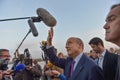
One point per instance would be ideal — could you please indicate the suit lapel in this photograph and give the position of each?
(67, 68)
(79, 67)
(105, 60)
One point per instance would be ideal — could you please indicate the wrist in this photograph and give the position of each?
(58, 74)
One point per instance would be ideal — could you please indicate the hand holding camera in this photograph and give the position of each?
(28, 67)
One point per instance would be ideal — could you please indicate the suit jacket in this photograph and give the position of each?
(110, 65)
(117, 77)
(86, 69)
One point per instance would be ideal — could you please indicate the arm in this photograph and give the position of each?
(62, 77)
(50, 37)
(51, 53)
(60, 62)
(56, 73)
(1, 75)
(33, 70)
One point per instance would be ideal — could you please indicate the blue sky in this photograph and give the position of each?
(80, 18)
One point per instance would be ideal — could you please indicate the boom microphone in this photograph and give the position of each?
(47, 18)
(32, 28)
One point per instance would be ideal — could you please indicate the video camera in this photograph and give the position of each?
(3, 64)
(43, 47)
(27, 58)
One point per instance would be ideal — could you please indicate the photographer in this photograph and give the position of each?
(24, 69)
(4, 59)
(38, 67)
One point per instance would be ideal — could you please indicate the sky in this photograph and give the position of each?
(78, 18)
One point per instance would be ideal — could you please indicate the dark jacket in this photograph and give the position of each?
(39, 69)
(26, 75)
(110, 65)
(118, 70)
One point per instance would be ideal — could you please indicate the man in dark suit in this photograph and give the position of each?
(107, 61)
(83, 69)
(112, 30)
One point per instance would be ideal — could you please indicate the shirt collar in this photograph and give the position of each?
(103, 54)
(78, 57)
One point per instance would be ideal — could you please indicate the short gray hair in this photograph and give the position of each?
(78, 40)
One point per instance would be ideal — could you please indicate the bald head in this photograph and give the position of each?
(78, 40)
(74, 46)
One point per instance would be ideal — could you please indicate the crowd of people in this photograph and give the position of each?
(30, 70)
(102, 64)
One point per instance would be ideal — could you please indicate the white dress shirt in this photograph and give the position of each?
(101, 59)
(77, 59)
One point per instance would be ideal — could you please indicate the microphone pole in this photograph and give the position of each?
(23, 40)
(14, 19)
(16, 62)
(35, 19)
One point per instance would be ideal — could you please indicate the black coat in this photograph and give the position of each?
(110, 65)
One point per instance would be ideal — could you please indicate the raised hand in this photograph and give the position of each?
(50, 37)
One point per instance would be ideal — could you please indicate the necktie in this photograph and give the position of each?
(72, 68)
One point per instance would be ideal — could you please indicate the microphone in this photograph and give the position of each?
(19, 67)
(32, 28)
(47, 18)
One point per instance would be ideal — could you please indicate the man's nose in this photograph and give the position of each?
(66, 46)
(8, 58)
(106, 26)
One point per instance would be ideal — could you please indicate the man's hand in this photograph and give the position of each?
(55, 72)
(28, 67)
(7, 73)
(50, 37)
(1, 75)
(48, 73)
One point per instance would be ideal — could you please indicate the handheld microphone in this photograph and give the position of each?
(32, 28)
(19, 67)
(47, 18)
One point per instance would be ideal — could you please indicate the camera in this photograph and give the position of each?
(43, 48)
(27, 58)
(43, 45)
(3, 64)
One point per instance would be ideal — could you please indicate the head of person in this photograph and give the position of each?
(4, 53)
(112, 50)
(4, 59)
(60, 55)
(112, 25)
(74, 46)
(35, 61)
(93, 54)
(97, 44)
